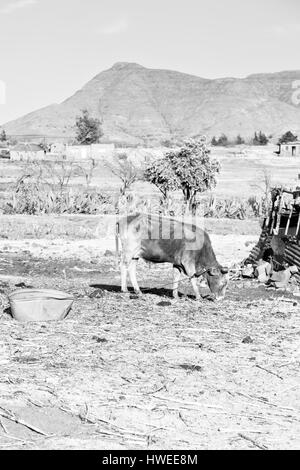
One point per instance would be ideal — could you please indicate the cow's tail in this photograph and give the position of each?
(117, 238)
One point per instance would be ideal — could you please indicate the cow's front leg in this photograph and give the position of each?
(195, 287)
(123, 268)
(132, 275)
(176, 279)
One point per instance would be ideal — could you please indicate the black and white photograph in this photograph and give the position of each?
(149, 228)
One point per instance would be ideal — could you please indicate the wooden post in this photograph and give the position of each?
(298, 225)
(289, 219)
(273, 214)
(276, 230)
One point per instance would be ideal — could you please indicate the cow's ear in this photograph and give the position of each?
(224, 270)
(213, 271)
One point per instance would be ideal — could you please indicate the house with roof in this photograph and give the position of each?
(289, 149)
(86, 152)
(27, 152)
(4, 150)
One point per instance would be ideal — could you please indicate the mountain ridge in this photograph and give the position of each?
(141, 105)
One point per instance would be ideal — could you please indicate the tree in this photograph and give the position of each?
(125, 170)
(222, 141)
(239, 140)
(3, 136)
(189, 169)
(287, 137)
(260, 139)
(88, 129)
(162, 176)
(87, 169)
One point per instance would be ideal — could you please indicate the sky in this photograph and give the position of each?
(50, 48)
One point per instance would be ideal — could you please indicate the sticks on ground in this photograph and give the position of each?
(255, 443)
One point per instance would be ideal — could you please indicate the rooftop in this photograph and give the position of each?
(291, 143)
(27, 147)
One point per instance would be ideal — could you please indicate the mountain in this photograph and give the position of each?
(141, 105)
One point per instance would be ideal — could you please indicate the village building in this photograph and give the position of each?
(289, 149)
(4, 150)
(27, 152)
(87, 152)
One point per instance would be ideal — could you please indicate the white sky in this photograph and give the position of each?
(50, 48)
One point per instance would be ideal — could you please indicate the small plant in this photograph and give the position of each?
(125, 169)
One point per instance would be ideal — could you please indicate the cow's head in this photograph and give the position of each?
(217, 278)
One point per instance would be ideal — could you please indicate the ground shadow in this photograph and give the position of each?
(161, 292)
(7, 311)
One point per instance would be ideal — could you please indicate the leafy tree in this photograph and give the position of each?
(162, 176)
(239, 140)
(255, 140)
(88, 129)
(3, 136)
(288, 137)
(189, 169)
(260, 139)
(223, 141)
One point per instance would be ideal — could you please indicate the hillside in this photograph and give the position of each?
(141, 105)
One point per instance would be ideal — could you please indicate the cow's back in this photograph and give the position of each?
(158, 238)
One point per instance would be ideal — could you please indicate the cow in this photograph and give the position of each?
(160, 239)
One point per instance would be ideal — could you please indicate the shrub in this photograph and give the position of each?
(30, 199)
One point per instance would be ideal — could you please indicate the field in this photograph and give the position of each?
(122, 372)
(240, 176)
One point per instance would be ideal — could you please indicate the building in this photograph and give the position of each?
(86, 152)
(289, 149)
(27, 152)
(4, 150)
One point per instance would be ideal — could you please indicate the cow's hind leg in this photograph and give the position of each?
(132, 275)
(123, 268)
(176, 279)
(195, 287)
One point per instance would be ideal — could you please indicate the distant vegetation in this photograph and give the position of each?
(259, 138)
(88, 129)
(3, 136)
(288, 137)
(184, 177)
(44, 188)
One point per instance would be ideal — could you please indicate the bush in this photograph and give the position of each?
(30, 199)
(260, 139)
(222, 141)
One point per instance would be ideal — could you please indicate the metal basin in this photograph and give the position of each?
(40, 305)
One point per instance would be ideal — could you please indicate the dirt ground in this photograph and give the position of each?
(145, 373)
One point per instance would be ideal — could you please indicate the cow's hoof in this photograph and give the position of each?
(135, 296)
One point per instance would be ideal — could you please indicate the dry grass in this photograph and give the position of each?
(130, 373)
